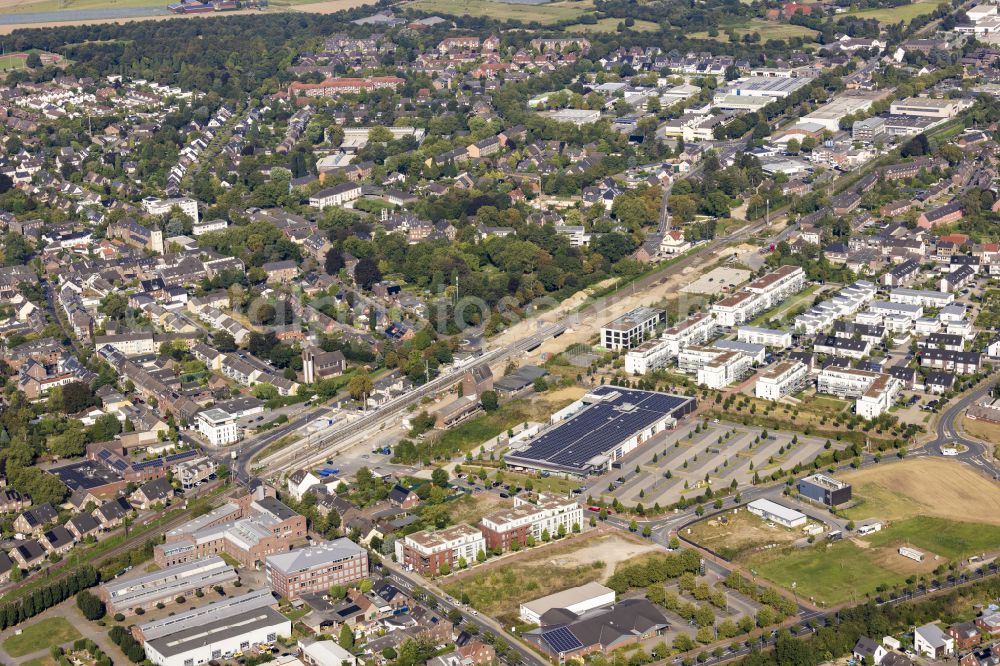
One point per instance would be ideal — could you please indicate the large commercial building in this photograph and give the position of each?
(601, 428)
(632, 328)
(182, 580)
(781, 379)
(525, 519)
(825, 489)
(577, 600)
(248, 529)
(217, 631)
(316, 568)
(768, 87)
(926, 106)
(428, 551)
(776, 513)
(845, 104)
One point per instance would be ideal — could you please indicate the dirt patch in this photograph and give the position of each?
(889, 558)
(471, 508)
(612, 550)
(925, 487)
(330, 6)
(570, 394)
(742, 533)
(861, 543)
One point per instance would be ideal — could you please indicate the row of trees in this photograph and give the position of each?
(43, 598)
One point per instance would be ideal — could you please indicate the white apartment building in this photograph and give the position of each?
(769, 337)
(526, 519)
(714, 367)
(885, 308)
(337, 195)
(218, 426)
(426, 551)
(781, 379)
(737, 309)
(157, 206)
(847, 302)
(762, 294)
(922, 297)
(879, 397)
(695, 330)
(130, 344)
(209, 226)
(650, 355)
(874, 392)
(631, 329)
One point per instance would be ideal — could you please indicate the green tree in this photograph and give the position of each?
(346, 640)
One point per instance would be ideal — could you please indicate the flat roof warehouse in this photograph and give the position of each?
(599, 429)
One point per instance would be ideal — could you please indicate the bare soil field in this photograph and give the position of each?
(741, 534)
(925, 487)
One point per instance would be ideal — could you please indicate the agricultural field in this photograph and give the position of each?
(923, 487)
(41, 636)
(498, 589)
(553, 12)
(766, 29)
(610, 25)
(39, 6)
(893, 15)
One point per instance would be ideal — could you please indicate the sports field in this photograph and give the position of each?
(565, 10)
(610, 25)
(11, 62)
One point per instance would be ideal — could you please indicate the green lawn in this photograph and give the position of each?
(41, 661)
(947, 538)
(828, 574)
(41, 636)
(892, 15)
(766, 29)
(611, 25)
(804, 297)
(548, 13)
(11, 62)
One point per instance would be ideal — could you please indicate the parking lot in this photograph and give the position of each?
(722, 452)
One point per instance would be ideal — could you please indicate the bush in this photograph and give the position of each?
(91, 607)
(119, 617)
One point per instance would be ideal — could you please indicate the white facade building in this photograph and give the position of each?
(776, 513)
(157, 206)
(631, 329)
(923, 297)
(218, 426)
(768, 337)
(781, 379)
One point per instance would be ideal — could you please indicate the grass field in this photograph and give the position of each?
(553, 12)
(923, 487)
(11, 62)
(498, 590)
(41, 636)
(21, 7)
(826, 573)
(984, 430)
(803, 298)
(948, 538)
(471, 508)
(766, 29)
(893, 15)
(610, 25)
(41, 661)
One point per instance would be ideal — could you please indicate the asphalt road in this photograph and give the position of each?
(947, 432)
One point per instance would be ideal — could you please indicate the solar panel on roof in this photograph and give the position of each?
(562, 640)
(120, 465)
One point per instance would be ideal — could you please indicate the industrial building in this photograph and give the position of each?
(926, 106)
(576, 600)
(601, 428)
(776, 513)
(825, 489)
(182, 580)
(217, 631)
(316, 568)
(846, 104)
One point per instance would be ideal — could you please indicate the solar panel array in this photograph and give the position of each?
(562, 640)
(601, 427)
